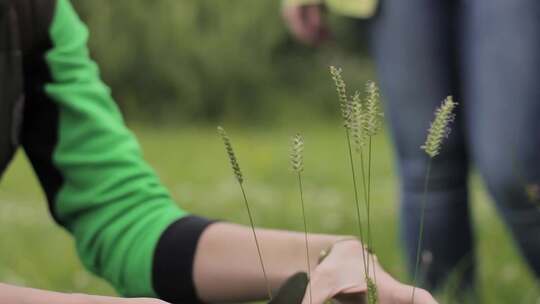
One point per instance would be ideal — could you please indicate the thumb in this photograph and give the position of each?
(323, 287)
(318, 289)
(421, 296)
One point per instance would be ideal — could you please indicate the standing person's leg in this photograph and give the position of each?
(413, 44)
(502, 70)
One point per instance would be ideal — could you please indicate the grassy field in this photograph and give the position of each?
(191, 162)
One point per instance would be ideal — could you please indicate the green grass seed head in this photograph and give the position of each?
(341, 88)
(230, 152)
(440, 127)
(372, 295)
(297, 157)
(358, 121)
(373, 122)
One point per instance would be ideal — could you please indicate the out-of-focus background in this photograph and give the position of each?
(179, 68)
(201, 61)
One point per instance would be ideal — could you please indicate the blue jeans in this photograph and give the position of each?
(487, 54)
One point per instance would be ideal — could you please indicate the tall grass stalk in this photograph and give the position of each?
(367, 124)
(297, 164)
(373, 127)
(347, 113)
(240, 179)
(438, 131)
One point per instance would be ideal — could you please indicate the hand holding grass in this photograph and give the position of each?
(340, 276)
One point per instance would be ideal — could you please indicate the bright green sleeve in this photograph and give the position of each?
(105, 194)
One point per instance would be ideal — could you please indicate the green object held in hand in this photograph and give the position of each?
(294, 289)
(292, 292)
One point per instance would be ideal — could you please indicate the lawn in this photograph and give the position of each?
(191, 162)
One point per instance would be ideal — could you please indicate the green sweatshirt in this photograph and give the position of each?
(351, 8)
(127, 228)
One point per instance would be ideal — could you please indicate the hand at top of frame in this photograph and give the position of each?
(306, 23)
(341, 276)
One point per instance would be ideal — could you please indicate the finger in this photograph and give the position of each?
(421, 296)
(351, 298)
(327, 286)
(319, 289)
(314, 296)
(353, 289)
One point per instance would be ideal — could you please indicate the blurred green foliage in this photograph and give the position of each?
(208, 60)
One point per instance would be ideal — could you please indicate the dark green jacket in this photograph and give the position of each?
(54, 105)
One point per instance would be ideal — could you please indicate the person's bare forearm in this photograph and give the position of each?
(227, 266)
(21, 295)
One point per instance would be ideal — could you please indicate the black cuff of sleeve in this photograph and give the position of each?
(173, 260)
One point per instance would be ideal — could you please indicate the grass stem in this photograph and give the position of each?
(301, 190)
(357, 204)
(370, 239)
(268, 289)
(421, 232)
